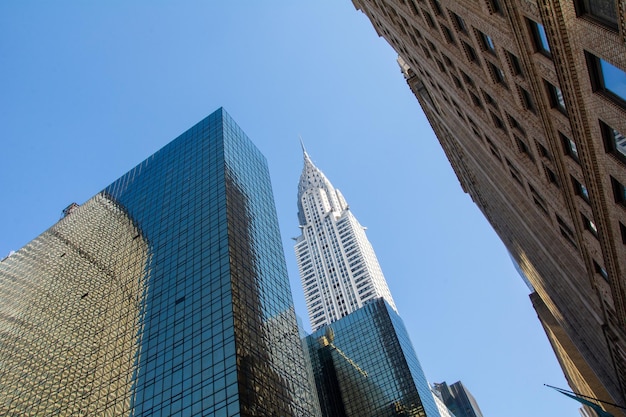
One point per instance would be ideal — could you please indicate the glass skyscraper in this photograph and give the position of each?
(166, 294)
(364, 365)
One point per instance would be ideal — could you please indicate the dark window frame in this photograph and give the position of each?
(598, 80)
(608, 137)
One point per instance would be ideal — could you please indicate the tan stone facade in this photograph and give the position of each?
(528, 100)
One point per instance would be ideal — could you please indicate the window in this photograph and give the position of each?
(540, 39)
(457, 82)
(622, 230)
(471, 53)
(468, 79)
(570, 147)
(429, 19)
(497, 73)
(515, 124)
(538, 200)
(607, 78)
(448, 34)
(497, 121)
(516, 66)
(619, 192)
(494, 6)
(476, 100)
(487, 43)
(436, 6)
(459, 23)
(580, 189)
(514, 173)
(543, 151)
(551, 176)
(523, 148)
(602, 11)
(590, 225)
(493, 149)
(556, 98)
(566, 231)
(614, 142)
(490, 100)
(527, 99)
(600, 270)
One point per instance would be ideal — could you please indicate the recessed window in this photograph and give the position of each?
(566, 231)
(514, 173)
(614, 142)
(490, 100)
(590, 225)
(619, 192)
(494, 6)
(540, 38)
(494, 150)
(471, 53)
(457, 82)
(516, 66)
(468, 79)
(448, 34)
(580, 189)
(602, 11)
(515, 124)
(527, 99)
(429, 19)
(487, 42)
(556, 98)
(497, 73)
(600, 270)
(570, 147)
(459, 23)
(523, 148)
(543, 151)
(476, 100)
(497, 121)
(551, 176)
(436, 6)
(607, 78)
(622, 230)
(538, 200)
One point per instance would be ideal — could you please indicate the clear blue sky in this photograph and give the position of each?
(90, 89)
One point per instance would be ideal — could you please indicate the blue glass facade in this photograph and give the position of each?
(364, 365)
(180, 291)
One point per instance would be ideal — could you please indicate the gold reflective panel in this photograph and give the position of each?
(70, 310)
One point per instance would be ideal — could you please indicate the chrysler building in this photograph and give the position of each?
(338, 267)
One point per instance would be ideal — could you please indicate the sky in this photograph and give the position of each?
(90, 89)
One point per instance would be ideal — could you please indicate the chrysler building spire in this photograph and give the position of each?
(338, 267)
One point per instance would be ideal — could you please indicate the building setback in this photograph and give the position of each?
(165, 294)
(528, 101)
(338, 268)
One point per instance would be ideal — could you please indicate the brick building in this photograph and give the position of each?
(528, 101)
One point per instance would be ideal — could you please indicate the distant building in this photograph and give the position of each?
(338, 267)
(458, 399)
(364, 365)
(528, 101)
(165, 294)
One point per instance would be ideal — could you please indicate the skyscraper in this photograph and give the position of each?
(364, 365)
(458, 399)
(338, 267)
(528, 101)
(165, 294)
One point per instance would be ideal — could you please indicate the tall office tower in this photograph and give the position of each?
(364, 365)
(338, 267)
(165, 294)
(528, 101)
(458, 399)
